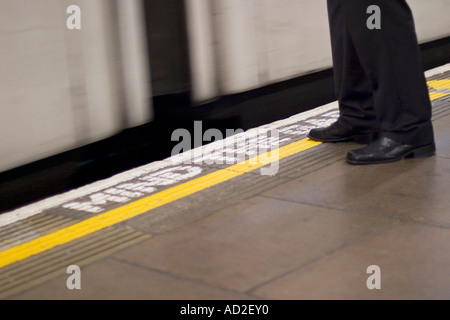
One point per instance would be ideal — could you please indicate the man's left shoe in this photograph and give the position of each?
(385, 150)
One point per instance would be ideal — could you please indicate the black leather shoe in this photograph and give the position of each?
(386, 150)
(338, 132)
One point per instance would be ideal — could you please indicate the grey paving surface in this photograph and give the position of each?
(309, 232)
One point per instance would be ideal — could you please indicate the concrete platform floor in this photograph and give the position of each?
(309, 232)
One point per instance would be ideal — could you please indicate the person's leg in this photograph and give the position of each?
(353, 90)
(357, 118)
(391, 59)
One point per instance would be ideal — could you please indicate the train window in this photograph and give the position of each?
(167, 42)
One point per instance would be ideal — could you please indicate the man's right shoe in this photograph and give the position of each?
(337, 132)
(385, 150)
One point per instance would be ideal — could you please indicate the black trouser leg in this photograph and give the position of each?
(391, 63)
(352, 87)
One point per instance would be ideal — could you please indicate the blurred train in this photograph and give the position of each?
(112, 90)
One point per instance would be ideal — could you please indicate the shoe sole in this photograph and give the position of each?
(421, 152)
(360, 138)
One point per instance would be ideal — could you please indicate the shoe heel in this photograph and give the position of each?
(365, 138)
(425, 151)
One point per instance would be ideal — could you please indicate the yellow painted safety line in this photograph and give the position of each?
(144, 205)
(437, 95)
(439, 85)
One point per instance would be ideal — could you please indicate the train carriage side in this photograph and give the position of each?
(143, 66)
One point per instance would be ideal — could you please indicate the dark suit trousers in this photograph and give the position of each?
(379, 75)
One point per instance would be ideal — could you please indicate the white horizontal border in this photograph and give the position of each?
(438, 70)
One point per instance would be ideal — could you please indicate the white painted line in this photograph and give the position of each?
(55, 201)
(438, 70)
(40, 206)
